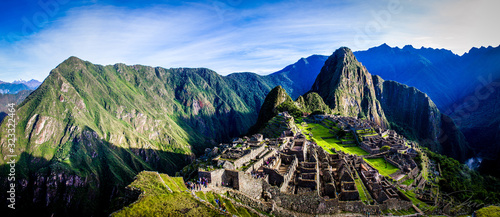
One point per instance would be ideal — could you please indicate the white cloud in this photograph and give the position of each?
(225, 39)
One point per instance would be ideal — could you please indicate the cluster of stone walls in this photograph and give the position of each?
(394, 163)
(259, 163)
(246, 158)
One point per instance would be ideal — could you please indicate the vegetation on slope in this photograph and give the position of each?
(490, 211)
(157, 199)
(464, 186)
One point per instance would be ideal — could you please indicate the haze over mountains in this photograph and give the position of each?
(91, 127)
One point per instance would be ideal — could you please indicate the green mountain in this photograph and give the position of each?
(89, 129)
(349, 89)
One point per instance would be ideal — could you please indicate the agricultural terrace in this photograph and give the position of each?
(322, 136)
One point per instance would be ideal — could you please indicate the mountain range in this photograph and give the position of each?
(89, 129)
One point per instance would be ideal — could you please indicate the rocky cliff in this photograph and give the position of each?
(347, 87)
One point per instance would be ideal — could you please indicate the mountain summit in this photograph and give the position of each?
(347, 87)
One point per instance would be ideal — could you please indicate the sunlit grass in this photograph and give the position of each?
(383, 167)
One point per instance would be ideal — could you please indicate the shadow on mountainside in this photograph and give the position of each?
(91, 181)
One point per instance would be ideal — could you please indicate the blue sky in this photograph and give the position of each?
(228, 35)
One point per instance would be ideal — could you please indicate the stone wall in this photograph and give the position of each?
(289, 174)
(274, 177)
(214, 177)
(231, 179)
(247, 200)
(246, 158)
(249, 185)
(396, 204)
(358, 207)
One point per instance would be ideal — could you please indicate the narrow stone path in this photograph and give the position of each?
(165, 184)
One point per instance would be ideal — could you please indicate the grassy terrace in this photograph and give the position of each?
(383, 167)
(319, 132)
(158, 201)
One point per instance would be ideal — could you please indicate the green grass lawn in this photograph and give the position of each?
(408, 182)
(383, 167)
(320, 131)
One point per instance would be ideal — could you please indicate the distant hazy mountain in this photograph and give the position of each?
(16, 86)
(32, 84)
(298, 78)
(444, 76)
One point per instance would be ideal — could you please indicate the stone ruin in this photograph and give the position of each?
(301, 176)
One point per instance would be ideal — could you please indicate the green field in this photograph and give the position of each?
(156, 200)
(319, 131)
(383, 167)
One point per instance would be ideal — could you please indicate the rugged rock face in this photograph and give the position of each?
(350, 90)
(413, 113)
(347, 87)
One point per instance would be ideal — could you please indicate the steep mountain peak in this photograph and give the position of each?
(347, 87)
(344, 52)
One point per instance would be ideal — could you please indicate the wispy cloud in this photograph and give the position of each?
(219, 36)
